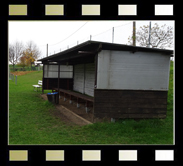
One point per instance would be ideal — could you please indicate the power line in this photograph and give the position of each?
(69, 35)
(122, 25)
(92, 35)
(111, 28)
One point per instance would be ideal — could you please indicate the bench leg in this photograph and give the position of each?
(78, 105)
(70, 101)
(87, 109)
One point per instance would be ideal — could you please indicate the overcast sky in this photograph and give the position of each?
(61, 34)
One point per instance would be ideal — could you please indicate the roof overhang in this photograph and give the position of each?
(85, 52)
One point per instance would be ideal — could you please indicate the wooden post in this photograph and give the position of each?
(134, 34)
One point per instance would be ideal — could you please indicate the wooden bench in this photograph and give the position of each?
(37, 86)
(88, 100)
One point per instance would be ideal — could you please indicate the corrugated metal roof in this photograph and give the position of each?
(92, 46)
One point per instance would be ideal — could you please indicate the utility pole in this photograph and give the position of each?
(113, 35)
(134, 34)
(47, 50)
(149, 35)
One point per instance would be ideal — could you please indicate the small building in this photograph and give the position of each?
(120, 81)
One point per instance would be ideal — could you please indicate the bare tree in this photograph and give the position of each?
(30, 53)
(161, 37)
(32, 48)
(15, 52)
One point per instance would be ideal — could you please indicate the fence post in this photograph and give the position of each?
(13, 77)
(16, 80)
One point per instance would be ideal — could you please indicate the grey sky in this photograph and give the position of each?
(60, 34)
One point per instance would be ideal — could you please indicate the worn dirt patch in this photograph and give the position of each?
(19, 73)
(62, 117)
(70, 114)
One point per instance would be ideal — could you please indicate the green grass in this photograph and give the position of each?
(31, 121)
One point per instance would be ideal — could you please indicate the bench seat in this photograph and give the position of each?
(38, 86)
(88, 100)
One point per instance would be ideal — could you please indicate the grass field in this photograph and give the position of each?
(31, 121)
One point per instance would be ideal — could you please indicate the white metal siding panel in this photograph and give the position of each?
(89, 79)
(66, 71)
(66, 68)
(53, 68)
(79, 78)
(45, 71)
(103, 70)
(51, 71)
(138, 71)
(66, 74)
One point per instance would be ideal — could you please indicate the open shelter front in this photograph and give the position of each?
(120, 81)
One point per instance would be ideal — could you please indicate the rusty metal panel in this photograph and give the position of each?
(138, 71)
